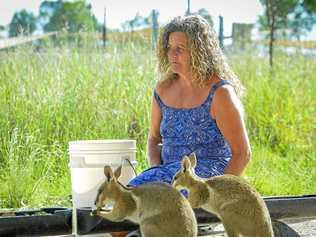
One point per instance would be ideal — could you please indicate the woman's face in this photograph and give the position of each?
(178, 52)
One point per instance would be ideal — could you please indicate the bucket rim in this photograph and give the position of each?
(95, 151)
(102, 141)
(108, 145)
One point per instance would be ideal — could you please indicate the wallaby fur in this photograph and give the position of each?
(158, 208)
(240, 207)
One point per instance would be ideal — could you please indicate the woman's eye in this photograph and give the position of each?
(179, 50)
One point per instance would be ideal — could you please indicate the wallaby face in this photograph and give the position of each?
(108, 189)
(239, 206)
(109, 198)
(158, 208)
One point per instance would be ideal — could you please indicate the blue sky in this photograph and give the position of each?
(118, 11)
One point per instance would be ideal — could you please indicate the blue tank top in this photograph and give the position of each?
(184, 131)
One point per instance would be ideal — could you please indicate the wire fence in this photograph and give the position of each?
(15, 41)
(146, 35)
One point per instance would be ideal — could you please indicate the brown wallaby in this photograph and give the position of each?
(158, 208)
(240, 208)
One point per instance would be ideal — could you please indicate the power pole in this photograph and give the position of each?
(155, 28)
(221, 32)
(104, 29)
(188, 9)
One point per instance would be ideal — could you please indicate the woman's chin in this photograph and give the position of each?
(175, 70)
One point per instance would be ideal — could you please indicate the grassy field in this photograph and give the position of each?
(51, 97)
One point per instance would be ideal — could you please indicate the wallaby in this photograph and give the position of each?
(158, 208)
(240, 208)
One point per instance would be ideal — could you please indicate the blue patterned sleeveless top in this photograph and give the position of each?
(187, 130)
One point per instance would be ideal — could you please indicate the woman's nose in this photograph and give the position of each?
(173, 54)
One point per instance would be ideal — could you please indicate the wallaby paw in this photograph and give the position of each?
(94, 213)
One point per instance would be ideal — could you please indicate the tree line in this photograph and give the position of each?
(281, 19)
(74, 16)
(296, 16)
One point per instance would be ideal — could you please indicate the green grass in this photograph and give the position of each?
(51, 97)
(281, 109)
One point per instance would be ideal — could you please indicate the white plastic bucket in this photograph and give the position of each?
(87, 161)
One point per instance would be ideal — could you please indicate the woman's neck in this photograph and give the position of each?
(186, 81)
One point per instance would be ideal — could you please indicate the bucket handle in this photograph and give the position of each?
(131, 163)
(83, 164)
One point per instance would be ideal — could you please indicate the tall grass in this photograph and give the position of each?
(281, 117)
(51, 97)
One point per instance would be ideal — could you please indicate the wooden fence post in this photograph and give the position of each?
(104, 29)
(155, 28)
(221, 32)
(188, 12)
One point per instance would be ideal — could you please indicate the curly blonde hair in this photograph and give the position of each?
(207, 57)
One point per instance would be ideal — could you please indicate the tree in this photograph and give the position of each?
(301, 21)
(47, 10)
(148, 21)
(2, 28)
(295, 17)
(72, 16)
(275, 17)
(137, 22)
(206, 15)
(310, 6)
(23, 22)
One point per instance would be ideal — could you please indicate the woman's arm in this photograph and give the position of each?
(154, 138)
(228, 112)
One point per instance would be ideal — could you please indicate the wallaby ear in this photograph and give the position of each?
(117, 172)
(186, 164)
(192, 158)
(108, 173)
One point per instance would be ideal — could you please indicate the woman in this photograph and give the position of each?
(195, 106)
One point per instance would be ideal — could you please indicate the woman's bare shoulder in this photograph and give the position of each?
(225, 91)
(226, 97)
(163, 86)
